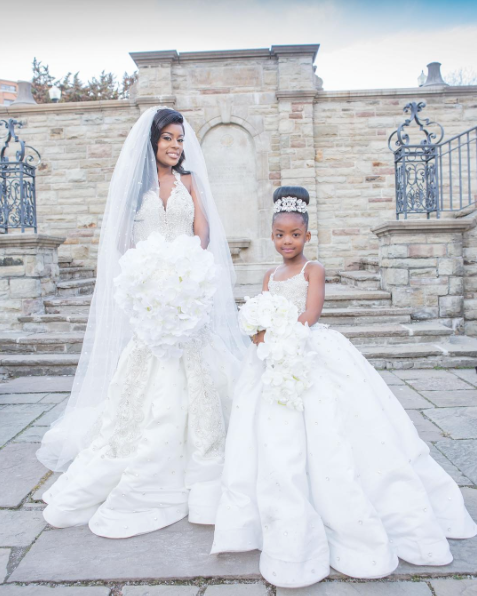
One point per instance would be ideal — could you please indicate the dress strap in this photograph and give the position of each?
(177, 175)
(273, 273)
(303, 268)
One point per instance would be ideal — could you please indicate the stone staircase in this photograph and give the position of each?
(50, 343)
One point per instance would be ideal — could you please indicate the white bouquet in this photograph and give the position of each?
(287, 360)
(167, 290)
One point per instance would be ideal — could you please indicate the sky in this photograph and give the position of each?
(364, 44)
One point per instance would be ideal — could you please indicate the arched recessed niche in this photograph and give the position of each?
(230, 155)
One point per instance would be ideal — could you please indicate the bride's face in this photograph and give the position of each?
(170, 145)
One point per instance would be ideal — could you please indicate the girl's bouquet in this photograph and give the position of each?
(167, 290)
(287, 361)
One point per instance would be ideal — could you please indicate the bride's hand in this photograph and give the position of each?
(259, 337)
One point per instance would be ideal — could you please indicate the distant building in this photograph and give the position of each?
(8, 92)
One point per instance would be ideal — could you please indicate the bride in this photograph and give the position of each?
(146, 436)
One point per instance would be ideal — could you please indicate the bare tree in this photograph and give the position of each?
(461, 76)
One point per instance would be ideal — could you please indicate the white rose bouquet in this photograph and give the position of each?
(167, 290)
(287, 360)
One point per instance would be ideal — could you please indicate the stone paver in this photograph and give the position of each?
(391, 378)
(237, 590)
(410, 398)
(454, 587)
(14, 418)
(54, 398)
(432, 380)
(427, 431)
(7, 590)
(180, 551)
(4, 558)
(449, 399)
(348, 588)
(160, 591)
(463, 454)
(22, 398)
(46, 485)
(449, 467)
(52, 415)
(37, 385)
(20, 528)
(20, 472)
(459, 423)
(33, 434)
(468, 374)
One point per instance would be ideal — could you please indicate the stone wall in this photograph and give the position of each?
(263, 121)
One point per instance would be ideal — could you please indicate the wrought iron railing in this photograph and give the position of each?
(17, 181)
(433, 176)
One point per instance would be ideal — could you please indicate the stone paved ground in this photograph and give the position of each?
(36, 560)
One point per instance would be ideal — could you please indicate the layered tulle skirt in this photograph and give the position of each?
(347, 482)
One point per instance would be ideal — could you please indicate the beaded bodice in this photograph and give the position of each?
(294, 289)
(175, 219)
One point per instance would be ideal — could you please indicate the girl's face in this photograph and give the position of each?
(289, 234)
(170, 145)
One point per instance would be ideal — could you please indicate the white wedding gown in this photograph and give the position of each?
(159, 453)
(347, 482)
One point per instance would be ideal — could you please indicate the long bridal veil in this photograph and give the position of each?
(108, 330)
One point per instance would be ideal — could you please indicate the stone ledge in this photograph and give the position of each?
(22, 240)
(431, 226)
(398, 92)
(70, 106)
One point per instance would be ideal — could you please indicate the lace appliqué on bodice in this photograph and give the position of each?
(175, 219)
(294, 289)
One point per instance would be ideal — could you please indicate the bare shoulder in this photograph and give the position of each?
(315, 270)
(186, 180)
(266, 277)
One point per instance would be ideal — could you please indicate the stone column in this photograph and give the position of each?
(421, 264)
(154, 84)
(28, 272)
(296, 94)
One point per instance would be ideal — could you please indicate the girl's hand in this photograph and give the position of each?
(259, 337)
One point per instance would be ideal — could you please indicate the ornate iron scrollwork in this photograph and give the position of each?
(416, 166)
(17, 181)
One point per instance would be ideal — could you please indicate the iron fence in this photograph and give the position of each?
(433, 176)
(17, 181)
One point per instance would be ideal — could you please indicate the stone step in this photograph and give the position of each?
(395, 334)
(456, 352)
(360, 315)
(54, 322)
(41, 343)
(64, 261)
(336, 296)
(367, 280)
(68, 273)
(75, 287)
(21, 365)
(78, 305)
(341, 296)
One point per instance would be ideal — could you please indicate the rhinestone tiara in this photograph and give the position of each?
(290, 204)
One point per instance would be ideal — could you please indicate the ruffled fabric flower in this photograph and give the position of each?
(167, 290)
(287, 359)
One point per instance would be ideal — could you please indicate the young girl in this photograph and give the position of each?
(347, 482)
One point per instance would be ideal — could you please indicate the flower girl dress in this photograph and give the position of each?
(158, 455)
(347, 482)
